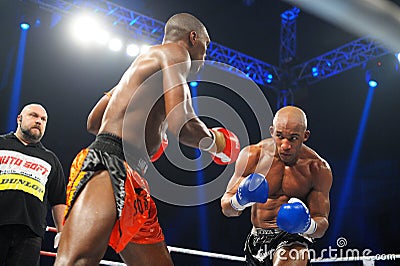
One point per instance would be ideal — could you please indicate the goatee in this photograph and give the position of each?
(31, 136)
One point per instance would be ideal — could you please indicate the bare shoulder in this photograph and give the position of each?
(267, 145)
(259, 149)
(172, 53)
(319, 167)
(314, 158)
(158, 57)
(257, 156)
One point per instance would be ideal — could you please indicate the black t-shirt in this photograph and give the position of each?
(31, 178)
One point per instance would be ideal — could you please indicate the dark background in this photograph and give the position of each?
(68, 79)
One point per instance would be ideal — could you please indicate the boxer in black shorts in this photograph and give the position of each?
(287, 185)
(262, 244)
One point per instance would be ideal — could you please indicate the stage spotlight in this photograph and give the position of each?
(398, 57)
(38, 22)
(269, 78)
(371, 79)
(373, 83)
(193, 84)
(144, 48)
(115, 45)
(314, 71)
(24, 26)
(132, 50)
(85, 28)
(248, 2)
(101, 36)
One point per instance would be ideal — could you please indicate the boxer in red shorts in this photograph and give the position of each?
(137, 221)
(108, 200)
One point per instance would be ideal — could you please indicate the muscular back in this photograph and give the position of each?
(136, 110)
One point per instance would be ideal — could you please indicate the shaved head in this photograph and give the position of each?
(31, 123)
(180, 25)
(33, 106)
(292, 115)
(289, 131)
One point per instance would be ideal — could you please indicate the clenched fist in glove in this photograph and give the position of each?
(252, 189)
(230, 151)
(294, 217)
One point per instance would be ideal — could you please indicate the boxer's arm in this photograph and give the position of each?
(318, 198)
(96, 114)
(245, 165)
(181, 118)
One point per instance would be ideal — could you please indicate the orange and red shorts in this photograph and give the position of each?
(137, 213)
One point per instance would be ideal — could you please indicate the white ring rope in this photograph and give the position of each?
(237, 258)
(360, 258)
(204, 253)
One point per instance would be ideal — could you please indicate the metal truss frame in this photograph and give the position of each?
(273, 77)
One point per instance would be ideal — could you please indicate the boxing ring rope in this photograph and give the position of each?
(205, 254)
(367, 260)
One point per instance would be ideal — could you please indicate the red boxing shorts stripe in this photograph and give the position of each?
(137, 214)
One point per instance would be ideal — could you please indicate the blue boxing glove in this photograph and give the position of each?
(294, 217)
(252, 189)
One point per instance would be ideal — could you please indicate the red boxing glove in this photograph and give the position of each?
(163, 146)
(232, 148)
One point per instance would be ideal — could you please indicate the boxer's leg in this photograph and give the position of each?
(295, 254)
(146, 254)
(87, 230)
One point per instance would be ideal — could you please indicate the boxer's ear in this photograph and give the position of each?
(306, 135)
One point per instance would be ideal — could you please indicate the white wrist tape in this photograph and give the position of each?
(236, 205)
(313, 225)
(224, 158)
(293, 200)
(212, 143)
(312, 228)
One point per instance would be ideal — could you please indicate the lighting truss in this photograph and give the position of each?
(150, 30)
(338, 60)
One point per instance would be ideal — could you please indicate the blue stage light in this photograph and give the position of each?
(203, 214)
(269, 78)
(17, 85)
(314, 71)
(24, 25)
(352, 168)
(194, 84)
(371, 78)
(372, 83)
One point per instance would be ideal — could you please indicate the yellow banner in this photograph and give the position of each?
(23, 183)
